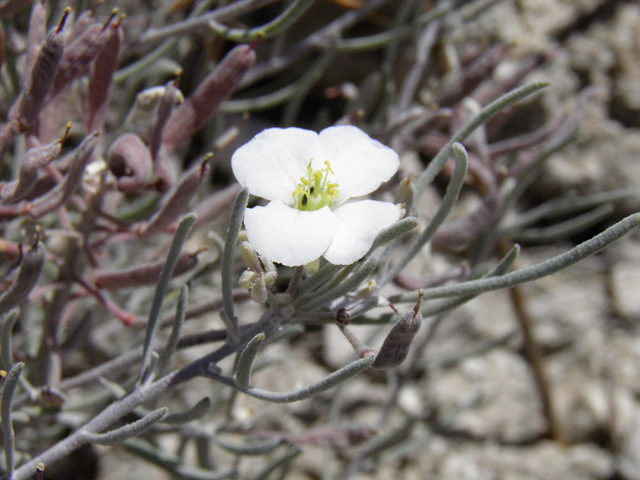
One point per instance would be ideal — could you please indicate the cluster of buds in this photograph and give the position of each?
(260, 275)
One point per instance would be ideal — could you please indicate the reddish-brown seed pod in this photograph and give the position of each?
(35, 36)
(79, 54)
(129, 160)
(11, 7)
(30, 268)
(395, 348)
(100, 79)
(177, 201)
(34, 160)
(214, 206)
(3, 48)
(42, 75)
(216, 88)
(80, 25)
(163, 113)
(60, 194)
(146, 274)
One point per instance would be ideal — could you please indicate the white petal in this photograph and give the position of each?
(288, 236)
(360, 163)
(271, 164)
(359, 224)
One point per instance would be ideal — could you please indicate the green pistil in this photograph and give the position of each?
(315, 191)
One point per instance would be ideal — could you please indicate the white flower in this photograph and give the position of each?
(309, 179)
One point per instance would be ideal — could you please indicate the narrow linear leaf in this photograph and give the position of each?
(279, 24)
(397, 230)
(179, 238)
(450, 197)
(245, 361)
(8, 323)
(336, 378)
(121, 434)
(250, 448)
(6, 398)
(199, 410)
(280, 461)
(487, 112)
(174, 337)
(172, 464)
(548, 267)
(227, 264)
(351, 283)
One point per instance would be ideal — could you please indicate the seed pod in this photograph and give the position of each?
(146, 274)
(60, 194)
(171, 97)
(215, 205)
(129, 160)
(35, 36)
(30, 268)
(42, 75)
(100, 79)
(34, 160)
(213, 90)
(79, 54)
(177, 201)
(11, 7)
(395, 348)
(80, 25)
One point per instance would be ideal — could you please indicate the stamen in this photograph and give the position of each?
(315, 191)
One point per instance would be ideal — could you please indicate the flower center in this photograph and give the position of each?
(315, 191)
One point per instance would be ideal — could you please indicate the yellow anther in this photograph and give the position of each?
(315, 192)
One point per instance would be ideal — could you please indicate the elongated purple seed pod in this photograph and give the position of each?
(215, 205)
(42, 75)
(78, 56)
(80, 25)
(35, 36)
(34, 160)
(3, 46)
(163, 113)
(11, 7)
(395, 347)
(177, 201)
(216, 88)
(30, 269)
(100, 79)
(60, 194)
(146, 274)
(130, 161)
